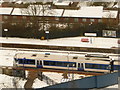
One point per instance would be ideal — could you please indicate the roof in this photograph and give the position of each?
(92, 12)
(5, 10)
(88, 12)
(110, 14)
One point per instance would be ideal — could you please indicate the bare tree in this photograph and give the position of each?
(37, 12)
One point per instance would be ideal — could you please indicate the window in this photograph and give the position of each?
(20, 61)
(46, 63)
(13, 24)
(24, 17)
(76, 20)
(30, 62)
(5, 17)
(66, 19)
(116, 67)
(88, 65)
(109, 33)
(39, 62)
(99, 20)
(58, 63)
(57, 18)
(92, 20)
(65, 64)
(14, 17)
(84, 20)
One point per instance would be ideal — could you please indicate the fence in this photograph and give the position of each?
(90, 82)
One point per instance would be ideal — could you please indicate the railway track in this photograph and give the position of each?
(64, 48)
(10, 68)
(60, 71)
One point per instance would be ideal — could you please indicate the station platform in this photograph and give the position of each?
(92, 44)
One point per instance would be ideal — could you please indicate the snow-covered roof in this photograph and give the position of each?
(88, 12)
(18, 11)
(62, 4)
(5, 10)
(110, 14)
(93, 12)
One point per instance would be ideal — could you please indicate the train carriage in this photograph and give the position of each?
(52, 60)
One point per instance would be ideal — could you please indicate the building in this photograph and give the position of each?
(84, 15)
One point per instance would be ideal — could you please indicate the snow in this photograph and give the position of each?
(110, 14)
(7, 57)
(95, 42)
(39, 84)
(113, 86)
(92, 12)
(8, 82)
(5, 10)
(59, 76)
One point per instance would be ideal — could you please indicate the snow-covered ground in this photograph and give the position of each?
(95, 42)
(9, 82)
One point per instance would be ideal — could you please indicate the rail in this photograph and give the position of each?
(64, 48)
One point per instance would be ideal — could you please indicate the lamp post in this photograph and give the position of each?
(90, 28)
(47, 35)
(73, 72)
(6, 30)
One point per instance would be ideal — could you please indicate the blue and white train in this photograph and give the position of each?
(62, 61)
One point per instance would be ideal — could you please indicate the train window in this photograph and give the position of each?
(116, 67)
(70, 64)
(90, 65)
(86, 65)
(20, 61)
(52, 63)
(49, 63)
(39, 62)
(105, 67)
(78, 64)
(59, 64)
(100, 67)
(46, 63)
(31, 62)
(82, 65)
(94, 66)
(65, 64)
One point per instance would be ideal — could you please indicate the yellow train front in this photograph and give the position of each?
(63, 61)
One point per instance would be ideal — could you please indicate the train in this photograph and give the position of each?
(66, 61)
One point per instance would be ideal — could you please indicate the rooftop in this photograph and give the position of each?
(89, 12)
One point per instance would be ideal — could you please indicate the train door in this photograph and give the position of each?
(81, 66)
(39, 64)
